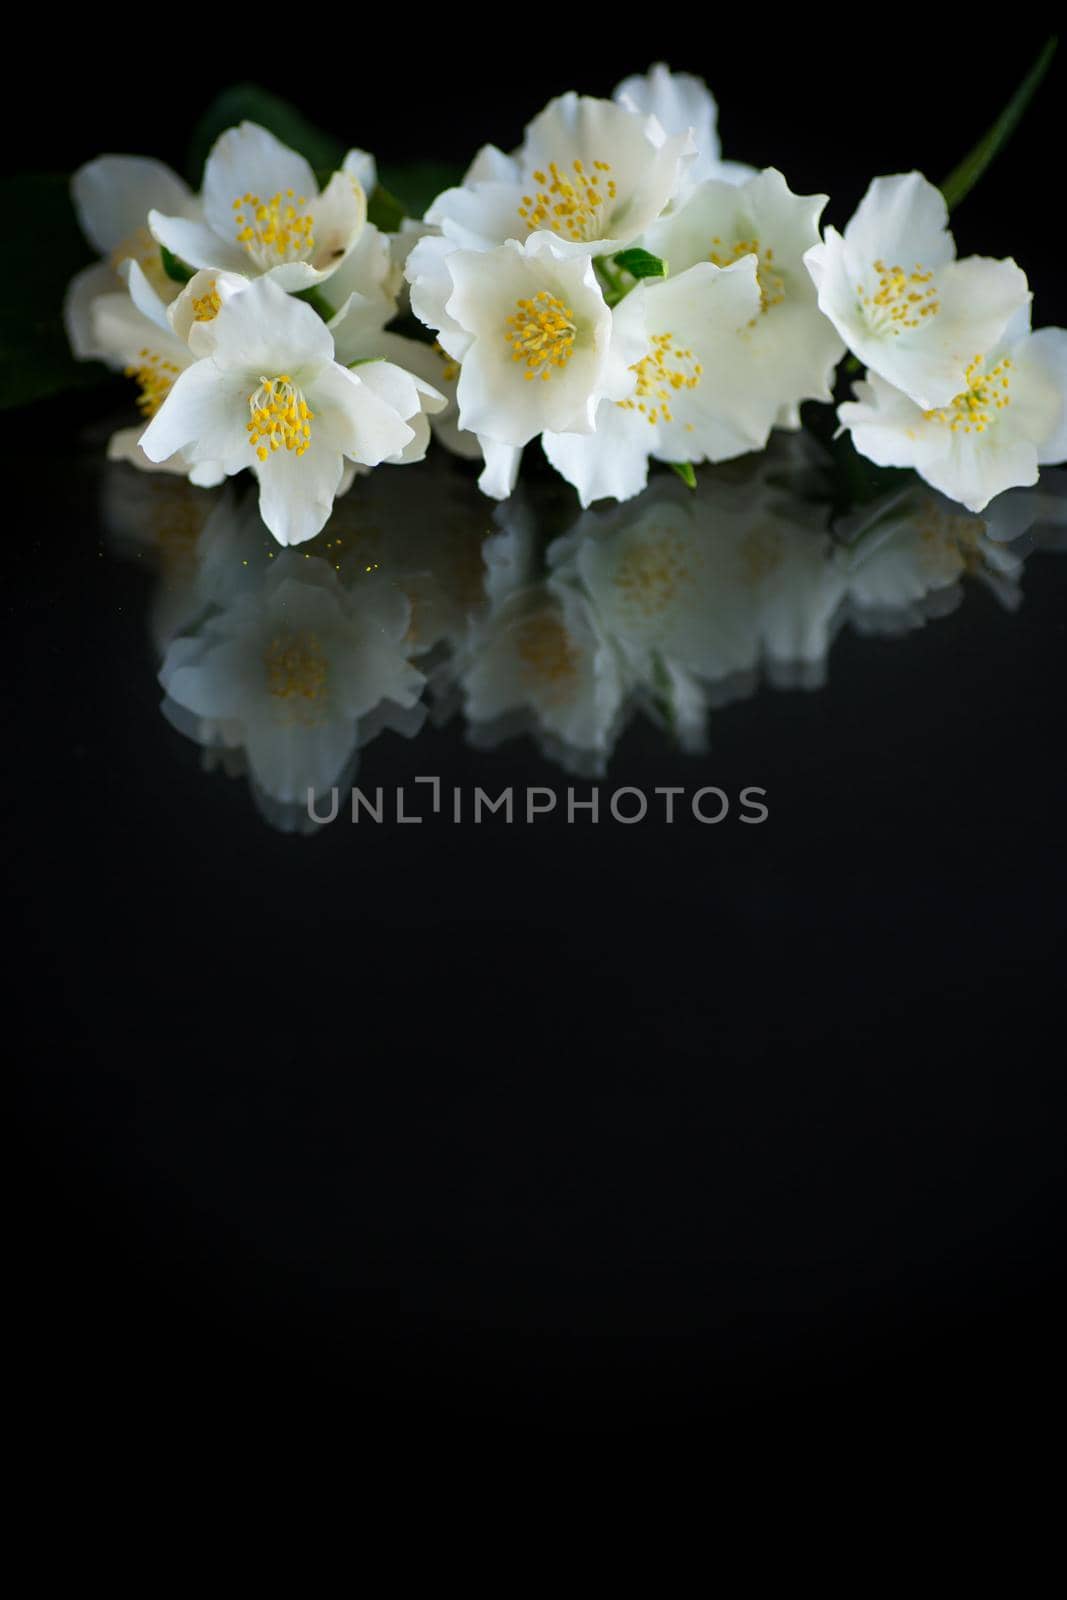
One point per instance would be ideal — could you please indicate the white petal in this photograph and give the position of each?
(195, 243)
(114, 194)
(205, 414)
(249, 160)
(84, 289)
(903, 218)
(265, 331)
(501, 469)
(611, 462)
(362, 425)
(296, 493)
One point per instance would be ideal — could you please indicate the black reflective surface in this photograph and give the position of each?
(545, 1123)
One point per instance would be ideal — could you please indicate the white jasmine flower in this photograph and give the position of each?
(536, 343)
(291, 672)
(790, 348)
(263, 213)
(112, 197)
(268, 394)
(682, 103)
(698, 395)
(148, 340)
(360, 335)
(1009, 417)
(589, 171)
(901, 301)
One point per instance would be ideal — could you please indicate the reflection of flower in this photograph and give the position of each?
(542, 653)
(288, 671)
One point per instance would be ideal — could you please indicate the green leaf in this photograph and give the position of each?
(641, 264)
(175, 269)
(414, 185)
(35, 358)
(315, 298)
(385, 210)
(246, 102)
(684, 469)
(962, 180)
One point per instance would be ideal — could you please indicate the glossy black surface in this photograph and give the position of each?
(547, 1126)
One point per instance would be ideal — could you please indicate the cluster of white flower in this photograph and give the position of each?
(613, 288)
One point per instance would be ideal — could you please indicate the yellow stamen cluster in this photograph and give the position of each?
(901, 300)
(569, 203)
(296, 671)
(281, 417)
(274, 230)
(771, 283)
(142, 248)
(986, 393)
(663, 373)
(650, 575)
(155, 376)
(541, 334)
(207, 306)
(547, 654)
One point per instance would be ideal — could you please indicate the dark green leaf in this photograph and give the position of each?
(246, 102)
(35, 359)
(385, 210)
(317, 301)
(960, 182)
(175, 269)
(641, 264)
(415, 185)
(684, 469)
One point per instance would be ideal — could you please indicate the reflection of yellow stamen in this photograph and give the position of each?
(297, 674)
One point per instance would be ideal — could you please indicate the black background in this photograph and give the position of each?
(547, 1128)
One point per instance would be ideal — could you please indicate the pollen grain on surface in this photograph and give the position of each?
(769, 278)
(571, 202)
(275, 230)
(541, 332)
(976, 407)
(669, 369)
(280, 417)
(901, 301)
